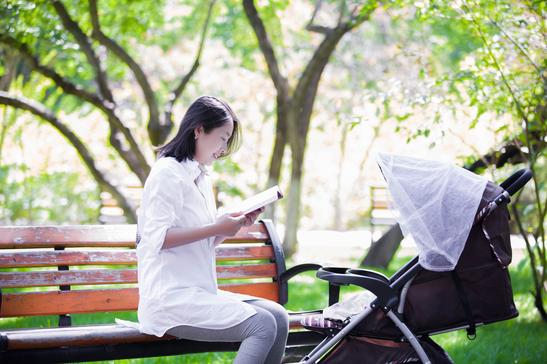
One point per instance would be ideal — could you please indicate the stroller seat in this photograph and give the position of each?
(416, 302)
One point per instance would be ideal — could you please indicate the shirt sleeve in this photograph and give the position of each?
(161, 196)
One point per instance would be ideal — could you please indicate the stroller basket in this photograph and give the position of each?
(415, 303)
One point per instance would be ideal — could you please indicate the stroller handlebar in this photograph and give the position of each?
(371, 281)
(516, 181)
(510, 186)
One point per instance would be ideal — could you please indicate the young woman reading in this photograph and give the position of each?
(178, 231)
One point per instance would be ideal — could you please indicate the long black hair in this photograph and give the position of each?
(208, 112)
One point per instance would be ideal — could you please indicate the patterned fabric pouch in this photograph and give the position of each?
(336, 316)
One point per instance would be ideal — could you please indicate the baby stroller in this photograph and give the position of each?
(434, 292)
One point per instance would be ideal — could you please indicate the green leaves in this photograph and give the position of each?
(233, 29)
(37, 198)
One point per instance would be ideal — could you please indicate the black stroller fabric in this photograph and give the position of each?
(478, 291)
(358, 350)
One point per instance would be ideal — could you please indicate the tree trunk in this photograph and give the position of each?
(299, 106)
(276, 160)
(337, 219)
(290, 241)
(382, 251)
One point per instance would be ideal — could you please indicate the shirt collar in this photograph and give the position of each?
(194, 168)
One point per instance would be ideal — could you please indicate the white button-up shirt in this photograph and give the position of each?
(178, 286)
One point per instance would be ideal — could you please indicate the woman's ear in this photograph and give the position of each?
(198, 132)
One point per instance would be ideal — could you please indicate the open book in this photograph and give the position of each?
(257, 201)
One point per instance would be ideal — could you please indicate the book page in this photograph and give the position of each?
(257, 201)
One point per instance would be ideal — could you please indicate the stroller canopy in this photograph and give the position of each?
(437, 203)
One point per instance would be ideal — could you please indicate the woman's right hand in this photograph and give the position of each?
(229, 224)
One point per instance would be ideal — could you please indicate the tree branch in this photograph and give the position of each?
(313, 27)
(177, 91)
(280, 82)
(520, 48)
(44, 113)
(62, 82)
(136, 162)
(342, 6)
(322, 54)
(498, 67)
(316, 9)
(85, 45)
(509, 153)
(10, 67)
(115, 48)
(307, 85)
(316, 28)
(538, 283)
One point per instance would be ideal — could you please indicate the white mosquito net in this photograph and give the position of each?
(437, 203)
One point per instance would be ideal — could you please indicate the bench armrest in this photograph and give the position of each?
(334, 290)
(297, 269)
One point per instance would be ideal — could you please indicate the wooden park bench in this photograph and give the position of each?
(381, 210)
(65, 270)
(383, 214)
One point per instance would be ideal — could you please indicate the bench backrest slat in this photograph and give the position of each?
(229, 252)
(49, 258)
(106, 300)
(58, 278)
(20, 237)
(119, 276)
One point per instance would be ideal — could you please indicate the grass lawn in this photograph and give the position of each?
(521, 340)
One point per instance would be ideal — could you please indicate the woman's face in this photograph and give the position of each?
(211, 146)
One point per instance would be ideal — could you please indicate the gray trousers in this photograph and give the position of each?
(263, 336)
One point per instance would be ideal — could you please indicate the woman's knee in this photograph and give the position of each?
(279, 313)
(263, 325)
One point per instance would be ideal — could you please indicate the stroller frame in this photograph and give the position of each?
(386, 290)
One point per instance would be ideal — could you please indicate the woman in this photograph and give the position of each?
(178, 233)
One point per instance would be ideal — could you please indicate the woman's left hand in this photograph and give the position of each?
(251, 217)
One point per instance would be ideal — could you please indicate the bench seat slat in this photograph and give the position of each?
(114, 257)
(119, 276)
(20, 237)
(107, 300)
(76, 336)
